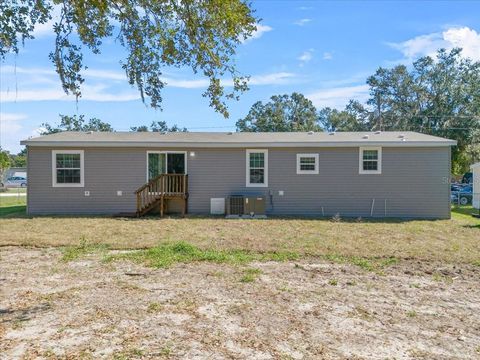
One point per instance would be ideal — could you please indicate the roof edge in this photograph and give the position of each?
(191, 144)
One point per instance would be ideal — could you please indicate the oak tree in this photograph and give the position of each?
(199, 34)
(282, 113)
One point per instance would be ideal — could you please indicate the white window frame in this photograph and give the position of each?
(166, 159)
(54, 168)
(360, 160)
(265, 167)
(300, 171)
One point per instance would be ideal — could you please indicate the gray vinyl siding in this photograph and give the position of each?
(107, 170)
(413, 184)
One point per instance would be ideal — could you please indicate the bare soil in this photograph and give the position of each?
(307, 309)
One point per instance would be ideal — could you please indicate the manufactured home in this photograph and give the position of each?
(353, 174)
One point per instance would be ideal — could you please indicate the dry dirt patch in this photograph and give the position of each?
(292, 310)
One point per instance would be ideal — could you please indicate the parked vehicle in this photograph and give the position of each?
(461, 195)
(15, 181)
(467, 178)
(456, 187)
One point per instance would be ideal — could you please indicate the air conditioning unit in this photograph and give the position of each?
(246, 205)
(235, 205)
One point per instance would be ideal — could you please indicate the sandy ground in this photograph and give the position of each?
(308, 309)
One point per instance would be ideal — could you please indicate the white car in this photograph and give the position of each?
(14, 182)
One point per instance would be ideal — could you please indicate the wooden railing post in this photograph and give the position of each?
(138, 201)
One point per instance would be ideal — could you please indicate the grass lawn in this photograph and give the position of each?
(12, 206)
(455, 241)
(14, 190)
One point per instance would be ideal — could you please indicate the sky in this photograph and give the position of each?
(323, 49)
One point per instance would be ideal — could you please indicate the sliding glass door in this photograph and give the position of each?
(165, 163)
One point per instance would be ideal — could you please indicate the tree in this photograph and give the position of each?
(76, 123)
(282, 113)
(19, 160)
(202, 35)
(158, 126)
(141, 128)
(354, 118)
(4, 162)
(439, 97)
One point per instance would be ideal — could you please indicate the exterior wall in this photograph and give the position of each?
(413, 184)
(107, 170)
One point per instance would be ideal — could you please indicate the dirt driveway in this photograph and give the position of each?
(274, 310)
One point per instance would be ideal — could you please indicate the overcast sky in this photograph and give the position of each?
(324, 50)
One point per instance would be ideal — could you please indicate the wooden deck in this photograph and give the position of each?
(161, 189)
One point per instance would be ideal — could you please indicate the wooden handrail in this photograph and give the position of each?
(159, 177)
(159, 187)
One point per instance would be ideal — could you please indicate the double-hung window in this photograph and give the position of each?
(257, 168)
(307, 163)
(67, 168)
(370, 161)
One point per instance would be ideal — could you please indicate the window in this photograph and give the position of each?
(67, 168)
(307, 163)
(165, 162)
(257, 168)
(370, 161)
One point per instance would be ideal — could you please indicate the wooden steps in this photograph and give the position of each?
(159, 190)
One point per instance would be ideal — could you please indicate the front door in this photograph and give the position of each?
(166, 163)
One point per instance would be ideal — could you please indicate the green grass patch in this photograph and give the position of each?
(13, 210)
(411, 313)
(250, 275)
(7, 201)
(464, 212)
(333, 282)
(166, 255)
(12, 205)
(71, 253)
(376, 265)
(154, 307)
(19, 190)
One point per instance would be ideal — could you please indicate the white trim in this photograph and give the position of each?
(315, 171)
(360, 160)
(236, 144)
(265, 167)
(166, 158)
(54, 168)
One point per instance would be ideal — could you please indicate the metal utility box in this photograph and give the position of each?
(254, 205)
(217, 206)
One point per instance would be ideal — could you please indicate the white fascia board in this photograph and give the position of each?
(179, 144)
